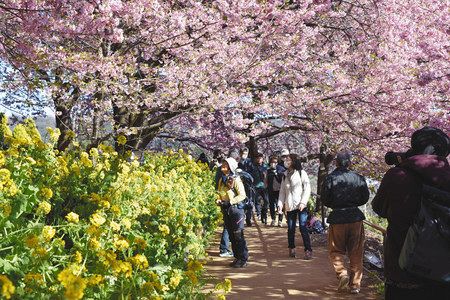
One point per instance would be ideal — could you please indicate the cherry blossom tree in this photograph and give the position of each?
(346, 74)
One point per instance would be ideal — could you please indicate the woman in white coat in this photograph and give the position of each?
(295, 191)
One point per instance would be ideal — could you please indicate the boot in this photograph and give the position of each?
(292, 252)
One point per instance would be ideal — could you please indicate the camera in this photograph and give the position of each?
(394, 158)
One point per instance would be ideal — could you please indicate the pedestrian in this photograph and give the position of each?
(344, 190)
(216, 162)
(295, 191)
(273, 188)
(245, 164)
(259, 174)
(284, 154)
(203, 158)
(232, 194)
(224, 246)
(399, 200)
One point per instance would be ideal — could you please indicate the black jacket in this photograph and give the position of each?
(343, 191)
(271, 176)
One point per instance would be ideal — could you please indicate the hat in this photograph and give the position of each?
(430, 140)
(232, 163)
(284, 152)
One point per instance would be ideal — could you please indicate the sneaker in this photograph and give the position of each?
(233, 263)
(280, 224)
(354, 291)
(343, 284)
(240, 264)
(308, 255)
(292, 253)
(272, 223)
(226, 254)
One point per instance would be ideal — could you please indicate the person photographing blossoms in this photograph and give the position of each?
(231, 196)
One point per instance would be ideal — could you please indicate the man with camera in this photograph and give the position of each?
(400, 198)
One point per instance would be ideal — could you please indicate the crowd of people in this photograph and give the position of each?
(281, 189)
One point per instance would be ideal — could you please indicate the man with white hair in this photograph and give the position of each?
(344, 190)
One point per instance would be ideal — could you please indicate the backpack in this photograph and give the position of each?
(247, 180)
(426, 250)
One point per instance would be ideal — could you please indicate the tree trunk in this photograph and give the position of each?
(325, 160)
(147, 126)
(252, 146)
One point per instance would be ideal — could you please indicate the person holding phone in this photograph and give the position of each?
(231, 199)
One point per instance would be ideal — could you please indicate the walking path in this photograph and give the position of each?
(271, 274)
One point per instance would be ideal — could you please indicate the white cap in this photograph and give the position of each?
(284, 152)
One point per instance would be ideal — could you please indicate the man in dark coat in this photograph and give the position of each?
(343, 191)
(398, 199)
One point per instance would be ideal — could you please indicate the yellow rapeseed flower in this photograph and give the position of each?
(32, 241)
(115, 209)
(224, 286)
(72, 217)
(139, 261)
(97, 219)
(48, 232)
(121, 140)
(192, 277)
(74, 285)
(195, 265)
(78, 258)
(8, 288)
(6, 209)
(126, 223)
(5, 130)
(33, 277)
(121, 244)
(95, 279)
(21, 136)
(124, 267)
(175, 279)
(84, 159)
(44, 208)
(94, 243)
(46, 193)
(165, 230)
(2, 159)
(141, 243)
(94, 152)
(54, 134)
(114, 226)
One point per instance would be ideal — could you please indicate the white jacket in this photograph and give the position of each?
(295, 190)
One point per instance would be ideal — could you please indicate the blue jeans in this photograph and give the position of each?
(224, 241)
(292, 220)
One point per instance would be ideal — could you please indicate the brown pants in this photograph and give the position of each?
(347, 238)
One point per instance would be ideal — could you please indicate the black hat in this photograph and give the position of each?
(430, 140)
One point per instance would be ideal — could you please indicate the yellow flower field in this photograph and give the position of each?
(97, 225)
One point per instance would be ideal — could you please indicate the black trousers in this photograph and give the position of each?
(429, 291)
(234, 222)
(262, 203)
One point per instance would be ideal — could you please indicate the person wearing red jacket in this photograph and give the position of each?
(399, 198)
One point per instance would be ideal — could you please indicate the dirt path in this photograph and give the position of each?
(271, 274)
